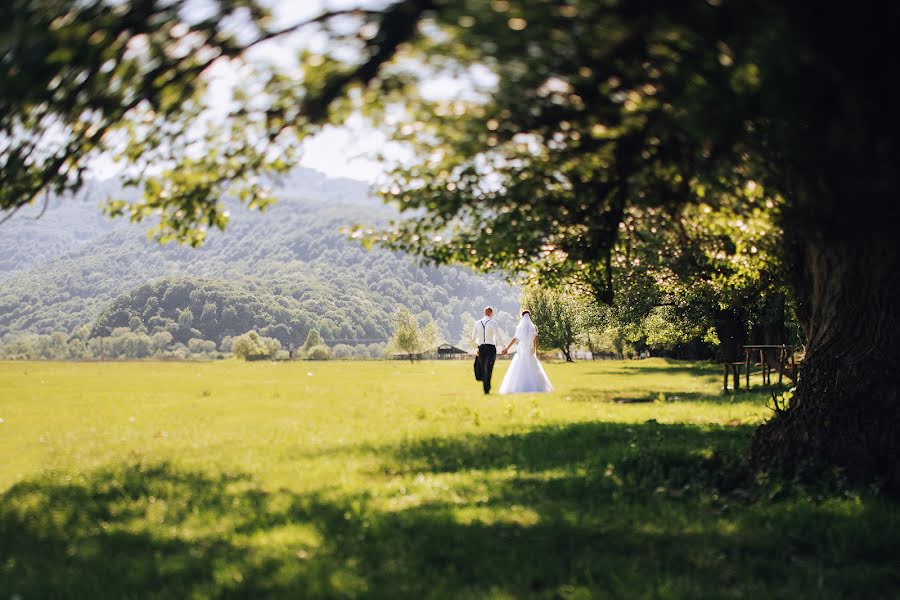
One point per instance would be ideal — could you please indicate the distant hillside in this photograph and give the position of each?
(285, 271)
(210, 310)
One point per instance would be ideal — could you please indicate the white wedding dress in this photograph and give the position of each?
(525, 373)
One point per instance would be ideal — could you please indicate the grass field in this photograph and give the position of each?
(391, 480)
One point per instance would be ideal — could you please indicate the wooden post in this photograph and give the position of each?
(781, 362)
(747, 367)
(794, 366)
(762, 365)
(736, 372)
(725, 381)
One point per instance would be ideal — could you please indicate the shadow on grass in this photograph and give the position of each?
(590, 446)
(669, 367)
(646, 397)
(587, 510)
(711, 372)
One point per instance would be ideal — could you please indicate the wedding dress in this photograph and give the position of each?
(525, 373)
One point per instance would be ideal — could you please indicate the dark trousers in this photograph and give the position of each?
(487, 354)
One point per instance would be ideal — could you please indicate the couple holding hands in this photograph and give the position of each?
(525, 373)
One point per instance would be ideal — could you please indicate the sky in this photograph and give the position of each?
(336, 151)
(345, 151)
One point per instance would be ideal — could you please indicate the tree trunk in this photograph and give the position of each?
(567, 352)
(732, 332)
(845, 411)
(837, 158)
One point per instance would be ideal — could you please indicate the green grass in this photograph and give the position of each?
(391, 480)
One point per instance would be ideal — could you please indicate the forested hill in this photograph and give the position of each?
(284, 271)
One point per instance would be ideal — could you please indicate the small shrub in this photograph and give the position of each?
(319, 352)
(200, 346)
(342, 351)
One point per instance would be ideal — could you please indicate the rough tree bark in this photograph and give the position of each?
(846, 410)
(845, 256)
(839, 170)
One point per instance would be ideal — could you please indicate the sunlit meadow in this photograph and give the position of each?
(390, 479)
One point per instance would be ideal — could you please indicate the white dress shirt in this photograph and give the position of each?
(486, 331)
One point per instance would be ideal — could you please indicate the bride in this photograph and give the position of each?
(525, 374)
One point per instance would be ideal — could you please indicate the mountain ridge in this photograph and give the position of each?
(65, 271)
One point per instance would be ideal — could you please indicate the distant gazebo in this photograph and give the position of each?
(448, 351)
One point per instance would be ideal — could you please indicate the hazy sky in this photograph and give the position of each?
(337, 151)
(342, 151)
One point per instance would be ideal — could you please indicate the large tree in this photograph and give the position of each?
(598, 108)
(590, 108)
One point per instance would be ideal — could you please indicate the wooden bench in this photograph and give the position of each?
(786, 362)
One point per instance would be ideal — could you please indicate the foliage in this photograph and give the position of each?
(318, 352)
(33, 346)
(430, 336)
(557, 317)
(466, 489)
(198, 346)
(544, 213)
(650, 103)
(342, 351)
(409, 338)
(312, 339)
(676, 278)
(252, 345)
(121, 343)
(126, 78)
(556, 139)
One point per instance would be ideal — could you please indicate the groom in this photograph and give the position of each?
(486, 335)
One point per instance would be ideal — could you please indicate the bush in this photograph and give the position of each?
(252, 345)
(342, 351)
(378, 351)
(319, 352)
(225, 344)
(313, 339)
(198, 346)
(161, 340)
(180, 351)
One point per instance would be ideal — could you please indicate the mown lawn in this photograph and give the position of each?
(391, 480)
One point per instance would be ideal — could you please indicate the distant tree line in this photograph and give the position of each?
(123, 343)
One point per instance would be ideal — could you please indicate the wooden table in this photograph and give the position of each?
(784, 354)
